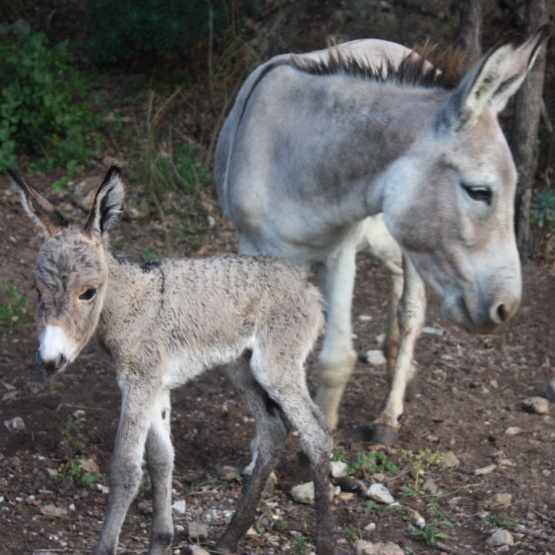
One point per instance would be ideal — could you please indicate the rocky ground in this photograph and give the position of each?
(474, 470)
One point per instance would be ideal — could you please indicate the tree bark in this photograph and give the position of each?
(469, 31)
(523, 138)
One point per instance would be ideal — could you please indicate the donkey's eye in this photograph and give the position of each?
(479, 192)
(88, 295)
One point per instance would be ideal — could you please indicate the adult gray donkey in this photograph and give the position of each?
(319, 147)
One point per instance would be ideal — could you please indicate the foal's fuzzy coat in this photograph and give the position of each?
(165, 323)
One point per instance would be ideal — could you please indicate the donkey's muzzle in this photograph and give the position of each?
(481, 318)
(51, 366)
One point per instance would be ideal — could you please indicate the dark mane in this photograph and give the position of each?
(445, 71)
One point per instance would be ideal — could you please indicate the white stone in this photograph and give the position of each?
(198, 530)
(499, 538)
(370, 527)
(379, 493)
(450, 460)
(89, 465)
(485, 470)
(52, 510)
(180, 506)
(430, 486)
(338, 469)
(103, 489)
(364, 547)
(536, 405)
(500, 499)
(15, 424)
(432, 331)
(513, 431)
(375, 357)
(304, 493)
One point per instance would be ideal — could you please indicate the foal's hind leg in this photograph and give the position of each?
(272, 432)
(315, 434)
(288, 389)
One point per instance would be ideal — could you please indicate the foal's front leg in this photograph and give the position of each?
(159, 459)
(125, 468)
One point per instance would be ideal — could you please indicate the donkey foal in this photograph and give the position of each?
(165, 323)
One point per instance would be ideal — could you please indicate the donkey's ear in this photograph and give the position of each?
(521, 61)
(465, 104)
(37, 207)
(108, 203)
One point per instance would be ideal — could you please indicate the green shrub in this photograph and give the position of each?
(543, 210)
(42, 106)
(15, 306)
(122, 30)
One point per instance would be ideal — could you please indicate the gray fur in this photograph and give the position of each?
(309, 161)
(164, 324)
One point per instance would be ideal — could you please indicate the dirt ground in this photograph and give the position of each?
(470, 395)
(54, 465)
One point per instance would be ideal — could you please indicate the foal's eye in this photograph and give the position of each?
(87, 295)
(479, 192)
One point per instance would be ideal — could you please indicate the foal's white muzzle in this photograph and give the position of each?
(56, 350)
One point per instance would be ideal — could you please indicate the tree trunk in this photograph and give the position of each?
(469, 31)
(523, 137)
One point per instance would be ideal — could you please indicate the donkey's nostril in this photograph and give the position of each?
(51, 366)
(500, 313)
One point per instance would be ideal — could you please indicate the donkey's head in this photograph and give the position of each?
(71, 271)
(449, 199)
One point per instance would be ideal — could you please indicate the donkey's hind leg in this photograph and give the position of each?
(412, 309)
(272, 431)
(159, 459)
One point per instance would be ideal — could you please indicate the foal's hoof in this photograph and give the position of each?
(384, 435)
(219, 548)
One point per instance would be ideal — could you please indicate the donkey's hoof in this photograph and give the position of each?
(385, 435)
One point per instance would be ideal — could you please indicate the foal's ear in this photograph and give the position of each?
(37, 207)
(108, 203)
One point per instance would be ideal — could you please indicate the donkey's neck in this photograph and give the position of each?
(132, 301)
(386, 121)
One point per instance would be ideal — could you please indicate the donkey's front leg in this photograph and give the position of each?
(159, 459)
(125, 468)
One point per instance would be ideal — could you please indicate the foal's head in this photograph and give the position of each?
(71, 271)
